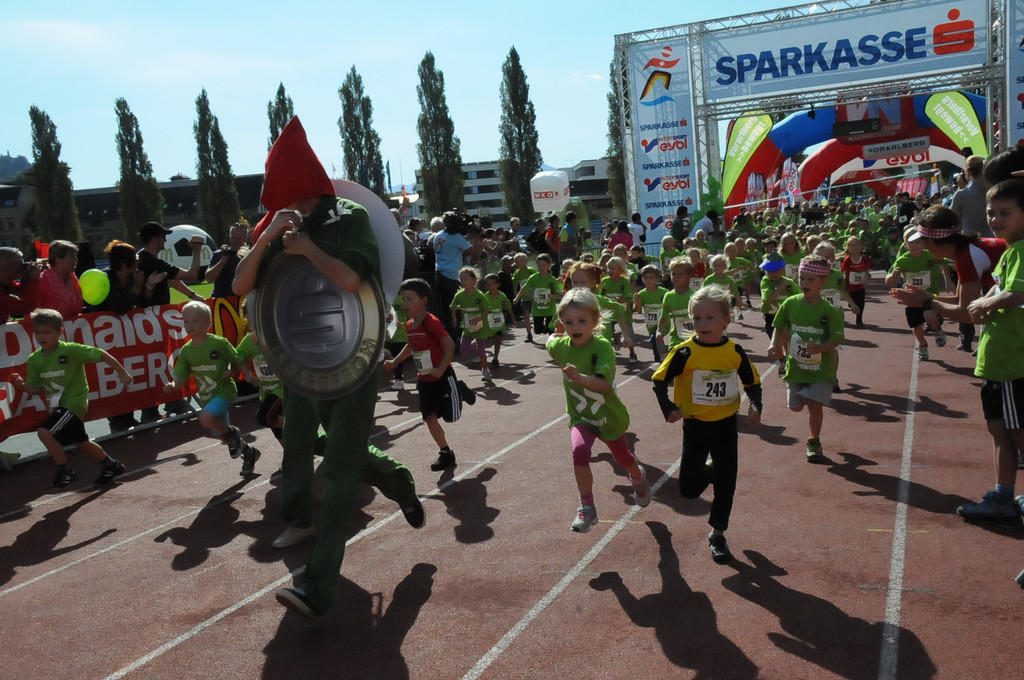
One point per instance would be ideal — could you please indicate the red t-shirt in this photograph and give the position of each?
(854, 272)
(976, 261)
(425, 342)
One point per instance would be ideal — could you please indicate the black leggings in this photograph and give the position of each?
(859, 297)
(720, 439)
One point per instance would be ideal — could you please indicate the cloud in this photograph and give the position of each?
(587, 76)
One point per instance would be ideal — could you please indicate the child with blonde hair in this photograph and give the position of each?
(595, 411)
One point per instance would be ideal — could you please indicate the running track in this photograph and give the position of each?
(855, 568)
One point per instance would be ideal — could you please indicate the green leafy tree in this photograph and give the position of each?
(359, 141)
(439, 149)
(140, 197)
(519, 156)
(616, 165)
(279, 111)
(218, 198)
(55, 213)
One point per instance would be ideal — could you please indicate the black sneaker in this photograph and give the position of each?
(249, 457)
(109, 472)
(235, 443)
(468, 395)
(495, 365)
(415, 515)
(445, 460)
(719, 549)
(297, 601)
(64, 477)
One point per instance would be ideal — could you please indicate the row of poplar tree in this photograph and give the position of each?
(440, 158)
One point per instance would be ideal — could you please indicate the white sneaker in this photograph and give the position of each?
(642, 491)
(293, 535)
(940, 338)
(922, 352)
(586, 517)
(486, 374)
(397, 384)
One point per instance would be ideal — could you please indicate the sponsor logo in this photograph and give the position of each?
(868, 50)
(674, 143)
(668, 183)
(659, 82)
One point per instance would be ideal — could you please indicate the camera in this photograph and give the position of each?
(457, 223)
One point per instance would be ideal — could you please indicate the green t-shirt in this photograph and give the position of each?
(543, 291)
(519, 277)
(611, 312)
(473, 307)
(269, 383)
(725, 282)
(922, 271)
(1001, 348)
(792, 261)
(818, 323)
(602, 412)
(399, 336)
(651, 304)
(788, 288)
(494, 317)
(675, 316)
(619, 290)
(208, 363)
(835, 283)
(740, 269)
(666, 257)
(62, 374)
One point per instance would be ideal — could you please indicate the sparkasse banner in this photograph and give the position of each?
(888, 40)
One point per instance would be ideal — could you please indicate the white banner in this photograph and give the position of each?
(663, 131)
(935, 154)
(838, 49)
(1014, 72)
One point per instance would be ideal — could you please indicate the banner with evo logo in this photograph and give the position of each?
(887, 40)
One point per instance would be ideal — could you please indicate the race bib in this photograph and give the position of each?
(496, 320)
(423, 362)
(683, 326)
(652, 313)
(858, 278)
(263, 370)
(737, 275)
(714, 388)
(473, 323)
(792, 271)
(541, 295)
(696, 283)
(798, 350)
(920, 280)
(833, 296)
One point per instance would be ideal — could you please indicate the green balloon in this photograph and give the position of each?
(95, 286)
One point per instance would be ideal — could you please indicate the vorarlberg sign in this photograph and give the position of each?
(915, 38)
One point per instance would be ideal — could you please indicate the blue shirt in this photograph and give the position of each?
(448, 250)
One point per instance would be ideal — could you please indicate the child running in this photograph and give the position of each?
(918, 268)
(675, 305)
(473, 305)
(588, 276)
(542, 291)
(857, 269)
(212, 360)
(499, 310)
(617, 288)
(441, 393)
(520, 274)
(808, 329)
(704, 371)
(648, 301)
(595, 411)
(775, 287)
(56, 372)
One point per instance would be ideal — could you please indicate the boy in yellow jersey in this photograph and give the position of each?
(706, 397)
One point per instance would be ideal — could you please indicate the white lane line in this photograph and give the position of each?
(494, 652)
(887, 666)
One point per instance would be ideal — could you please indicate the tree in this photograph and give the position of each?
(359, 141)
(518, 156)
(55, 213)
(279, 111)
(616, 165)
(141, 200)
(218, 199)
(439, 149)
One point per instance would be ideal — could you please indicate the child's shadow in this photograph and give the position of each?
(820, 632)
(689, 641)
(466, 501)
(356, 635)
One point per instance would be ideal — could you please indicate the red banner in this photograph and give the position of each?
(146, 341)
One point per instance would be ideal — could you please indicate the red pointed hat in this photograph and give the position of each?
(292, 173)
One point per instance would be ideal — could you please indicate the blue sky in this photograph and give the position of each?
(73, 59)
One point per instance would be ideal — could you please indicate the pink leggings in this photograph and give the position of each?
(583, 445)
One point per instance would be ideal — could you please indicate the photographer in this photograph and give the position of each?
(18, 284)
(221, 271)
(450, 245)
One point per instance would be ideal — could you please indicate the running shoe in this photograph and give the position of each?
(940, 337)
(249, 457)
(988, 511)
(922, 352)
(719, 549)
(64, 477)
(234, 440)
(109, 472)
(296, 600)
(642, 491)
(397, 384)
(445, 460)
(293, 535)
(814, 452)
(586, 517)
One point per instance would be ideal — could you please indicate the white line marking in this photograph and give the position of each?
(887, 666)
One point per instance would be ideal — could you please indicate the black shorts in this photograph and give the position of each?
(1004, 401)
(440, 398)
(915, 316)
(66, 427)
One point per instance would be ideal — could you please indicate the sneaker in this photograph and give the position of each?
(109, 472)
(642, 491)
(249, 457)
(468, 395)
(415, 515)
(293, 535)
(6, 459)
(988, 511)
(586, 517)
(922, 352)
(495, 365)
(485, 375)
(719, 549)
(235, 443)
(814, 453)
(445, 460)
(397, 384)
(633, 359)
(940, 337)
(64, 477)
(529, 337)
(964, 347)
(296, 600)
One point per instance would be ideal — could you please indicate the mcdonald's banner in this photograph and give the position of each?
(146, 341)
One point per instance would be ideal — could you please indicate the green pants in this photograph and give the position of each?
(348, 460)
